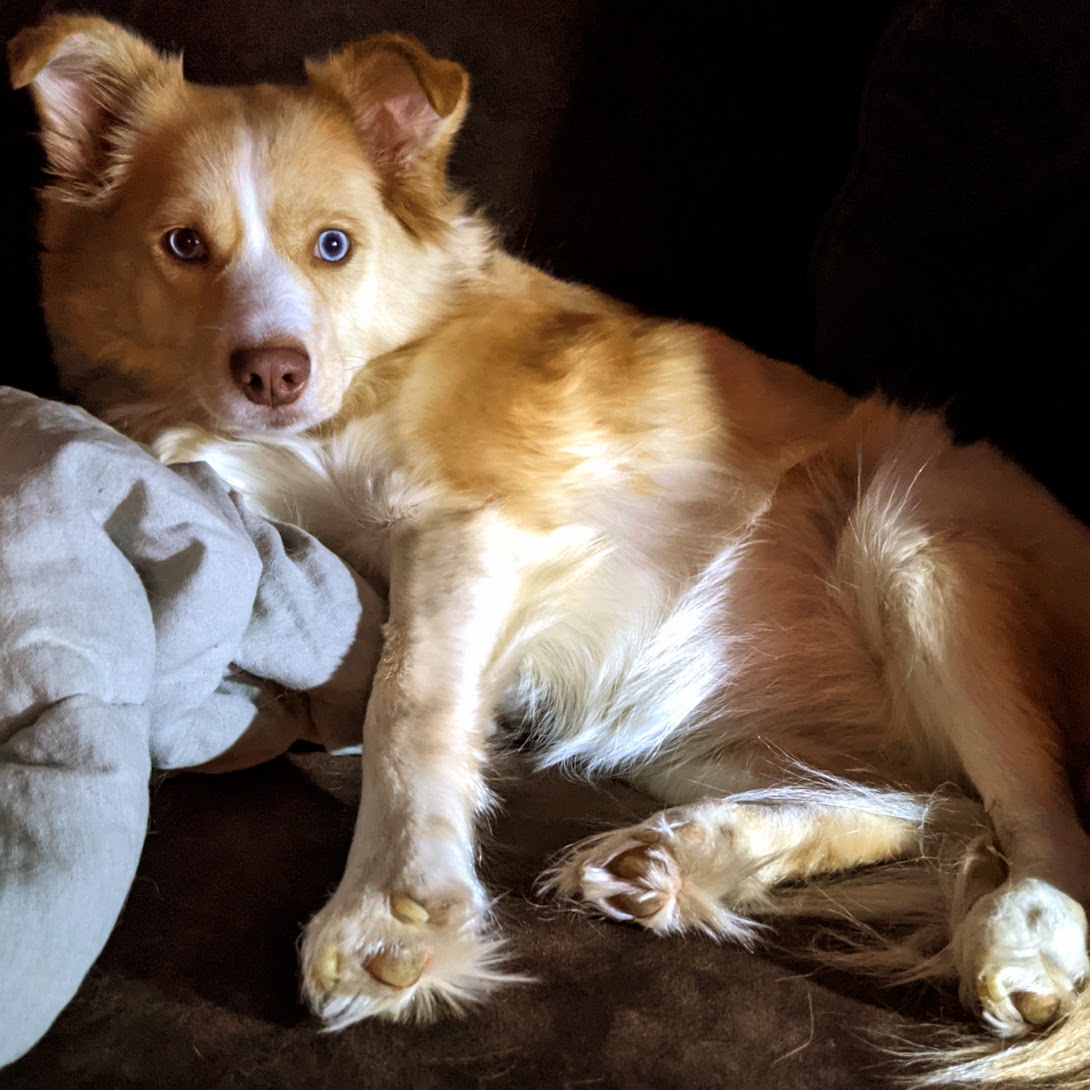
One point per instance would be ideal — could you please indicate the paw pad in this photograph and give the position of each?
(1036, 1009)
(642, 901)
(397, 966)
(327, 968)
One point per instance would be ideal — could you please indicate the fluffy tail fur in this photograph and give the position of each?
(918, 904)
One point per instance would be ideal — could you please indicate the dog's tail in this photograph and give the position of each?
(924, 898)
(1058, 1057)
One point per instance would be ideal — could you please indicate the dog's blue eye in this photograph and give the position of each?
(332, 246)
(185, 244)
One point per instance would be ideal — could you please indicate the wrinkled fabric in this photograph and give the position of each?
(147, 620)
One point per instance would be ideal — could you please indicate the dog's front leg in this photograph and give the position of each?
(405, 933)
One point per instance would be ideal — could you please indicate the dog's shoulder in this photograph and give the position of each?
(533, 384)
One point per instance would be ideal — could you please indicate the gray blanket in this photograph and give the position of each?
(147, 620)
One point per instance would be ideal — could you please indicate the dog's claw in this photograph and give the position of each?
(408, 910)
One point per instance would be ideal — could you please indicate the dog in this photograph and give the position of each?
(846, 653)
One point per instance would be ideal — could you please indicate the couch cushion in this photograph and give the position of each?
(953, 268)
(198, 986)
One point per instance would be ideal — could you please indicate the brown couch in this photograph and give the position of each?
(893, 195)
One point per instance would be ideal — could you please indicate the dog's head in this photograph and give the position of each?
(232, 256)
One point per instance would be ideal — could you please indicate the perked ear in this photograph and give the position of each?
(89, 79)
(408, 105)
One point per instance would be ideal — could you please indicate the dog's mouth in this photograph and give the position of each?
(271, 389)
(236, 413)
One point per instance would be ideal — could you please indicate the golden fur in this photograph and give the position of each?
(825, 635)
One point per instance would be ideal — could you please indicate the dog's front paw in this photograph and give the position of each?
(399, 956)
(1021, 955)
(184, 444)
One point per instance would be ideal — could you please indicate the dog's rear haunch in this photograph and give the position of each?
(824, 635)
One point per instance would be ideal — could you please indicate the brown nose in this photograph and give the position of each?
(270, 376)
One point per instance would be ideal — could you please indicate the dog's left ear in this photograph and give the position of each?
(408, 105)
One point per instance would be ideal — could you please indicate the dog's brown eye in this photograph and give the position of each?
(185, 244)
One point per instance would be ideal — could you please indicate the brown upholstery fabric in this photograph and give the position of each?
(197, 987)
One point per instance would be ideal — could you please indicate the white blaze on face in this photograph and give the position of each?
(268, 304)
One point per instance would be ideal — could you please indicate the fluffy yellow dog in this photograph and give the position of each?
(792, 616)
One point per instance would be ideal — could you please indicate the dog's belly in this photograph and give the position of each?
(758, 657)
(625, 647)
(609, 666)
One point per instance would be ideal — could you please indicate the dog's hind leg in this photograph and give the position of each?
(964, 631)
(713, 864)
(1020, 948)
(965, 640)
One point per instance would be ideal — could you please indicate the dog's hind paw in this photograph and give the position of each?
(398, 957)
(672, 873)
(1021, 955)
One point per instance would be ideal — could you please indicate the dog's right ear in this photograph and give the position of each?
(89, 78)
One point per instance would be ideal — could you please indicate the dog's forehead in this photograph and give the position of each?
(227, 140)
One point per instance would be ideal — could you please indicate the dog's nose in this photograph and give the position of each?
(270, 376)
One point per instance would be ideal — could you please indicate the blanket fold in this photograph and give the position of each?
(147, 620)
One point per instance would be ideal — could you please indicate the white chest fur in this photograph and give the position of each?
(609, 644)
